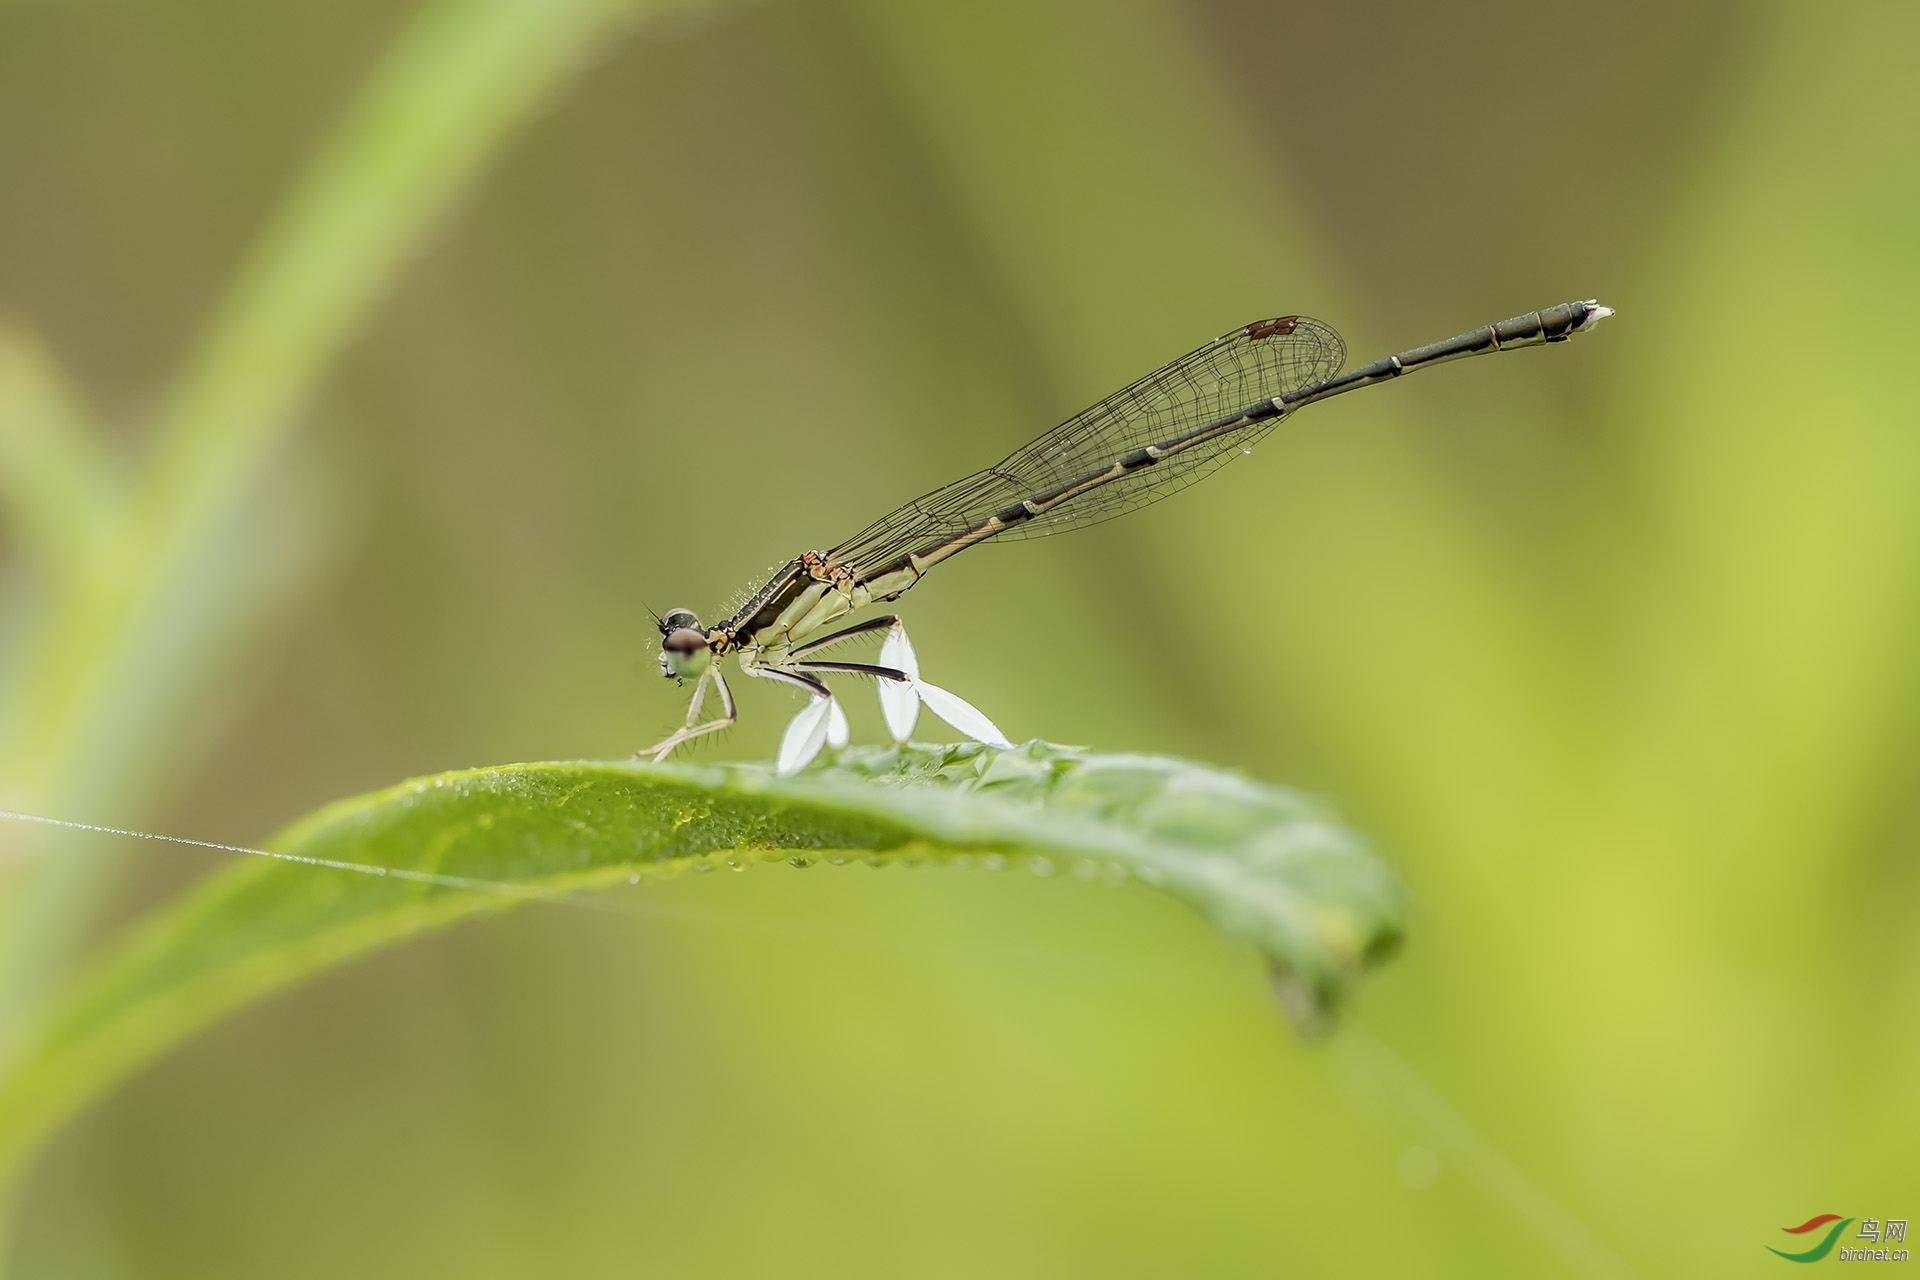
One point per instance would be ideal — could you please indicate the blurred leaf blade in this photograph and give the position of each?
(54, 477)
(452, 88)
(1265, 864)
(457, 80)
(93, 700)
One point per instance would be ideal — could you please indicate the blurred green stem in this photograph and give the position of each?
(1377, 1069)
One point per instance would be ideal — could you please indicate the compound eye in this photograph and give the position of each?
(684, 640)
(678, 620)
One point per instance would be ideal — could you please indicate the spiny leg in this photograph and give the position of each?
(690, 730)
(790, 675)
(854, 669)
(891, 680)
(847, 633)
(674, 739)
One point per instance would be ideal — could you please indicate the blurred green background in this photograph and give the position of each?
(1607, 647)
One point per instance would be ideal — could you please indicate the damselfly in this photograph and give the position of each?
(1138, 445)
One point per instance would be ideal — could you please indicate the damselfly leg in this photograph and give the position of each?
(901, 704)
(822, 722)
(848, 633)
(690, 730)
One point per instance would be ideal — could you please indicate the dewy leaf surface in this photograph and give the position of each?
(1267, 865)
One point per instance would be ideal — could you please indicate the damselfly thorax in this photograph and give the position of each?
(1143, 442)
(807, 593)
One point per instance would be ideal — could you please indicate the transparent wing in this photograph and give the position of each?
(1253, 363)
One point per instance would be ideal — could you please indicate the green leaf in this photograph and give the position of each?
(1266, 865)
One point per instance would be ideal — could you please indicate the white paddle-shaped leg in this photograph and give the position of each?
(818, 723)
(806, 734)
(961, 714)
(900, 703)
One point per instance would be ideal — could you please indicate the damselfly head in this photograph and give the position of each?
(683, 645)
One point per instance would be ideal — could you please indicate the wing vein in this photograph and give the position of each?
(1064, 471)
